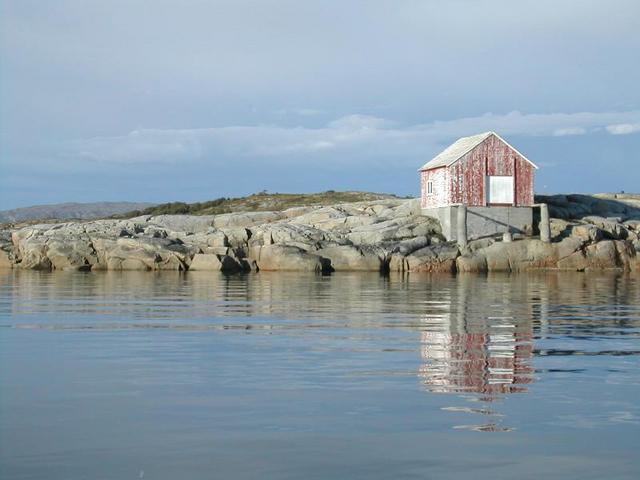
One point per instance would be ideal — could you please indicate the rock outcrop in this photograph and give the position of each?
(589, 233)
(6, 250)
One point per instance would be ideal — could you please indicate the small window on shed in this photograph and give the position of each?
(429, 187)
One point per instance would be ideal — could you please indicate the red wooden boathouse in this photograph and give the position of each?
(486, 174)
(478, 171)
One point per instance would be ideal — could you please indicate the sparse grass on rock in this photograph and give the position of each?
(258, 202)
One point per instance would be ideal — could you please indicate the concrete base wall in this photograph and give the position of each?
(484, 221)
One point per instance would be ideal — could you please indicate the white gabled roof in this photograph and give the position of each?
(461, 147)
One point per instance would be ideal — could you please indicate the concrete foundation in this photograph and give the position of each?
(484, 221)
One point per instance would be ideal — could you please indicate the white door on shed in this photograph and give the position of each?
(500, 190)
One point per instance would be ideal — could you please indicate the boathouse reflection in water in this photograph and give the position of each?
(484, 351)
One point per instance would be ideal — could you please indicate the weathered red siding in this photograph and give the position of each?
(440, 194)
(467, 176)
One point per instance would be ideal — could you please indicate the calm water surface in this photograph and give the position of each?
(198, 375)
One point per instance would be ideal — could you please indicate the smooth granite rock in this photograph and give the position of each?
(381, 235)
(287, 258)
(352, 258)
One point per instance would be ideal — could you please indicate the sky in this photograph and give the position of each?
(194, 100)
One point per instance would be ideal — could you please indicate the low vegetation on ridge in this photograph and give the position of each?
(258, 202)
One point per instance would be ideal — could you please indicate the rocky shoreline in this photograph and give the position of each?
(588, 233)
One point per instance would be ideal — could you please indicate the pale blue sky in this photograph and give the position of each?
(192, 100)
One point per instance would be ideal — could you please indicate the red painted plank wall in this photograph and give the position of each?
(491, 157)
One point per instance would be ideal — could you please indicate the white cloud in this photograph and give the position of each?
(360, 122)
(538, 124)
(353, 138)
(623, 128)
(303, 112)
(563, 132)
